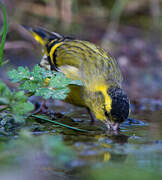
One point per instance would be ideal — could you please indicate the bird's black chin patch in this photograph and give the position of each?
(120, 104)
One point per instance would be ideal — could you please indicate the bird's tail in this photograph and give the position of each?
(42, 35)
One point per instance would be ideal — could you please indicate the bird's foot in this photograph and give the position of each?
(42, 108)
(91, 117)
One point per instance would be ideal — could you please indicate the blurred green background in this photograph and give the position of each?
(131, 31)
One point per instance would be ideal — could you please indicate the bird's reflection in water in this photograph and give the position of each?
(113, 138)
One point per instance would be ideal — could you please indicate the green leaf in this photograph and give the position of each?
(20, 74)
(44, 92)
(16, 102)
(30, 86)
(60, 93)
(59, 81)
(4, 90)
(22, 108)
(35, 82)
(47, 93)
(19, 96)
(37, 73)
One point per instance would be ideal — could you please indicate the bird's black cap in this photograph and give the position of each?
(120, 104)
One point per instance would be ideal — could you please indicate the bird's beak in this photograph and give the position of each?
(112, 125)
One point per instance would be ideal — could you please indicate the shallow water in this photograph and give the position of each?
(99, 153)
(138, 143)
(139, 135)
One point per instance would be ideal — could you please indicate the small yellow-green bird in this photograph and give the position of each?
(81, 60)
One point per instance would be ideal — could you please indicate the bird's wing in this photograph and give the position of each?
(77, 59)
(85, 61)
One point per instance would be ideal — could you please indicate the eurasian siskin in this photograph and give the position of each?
(81, 60)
